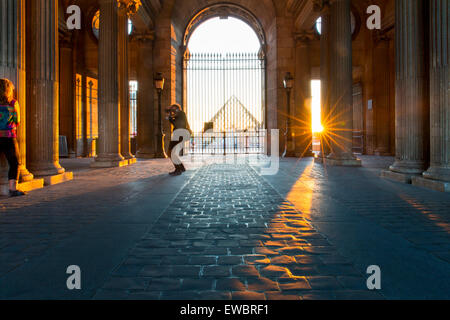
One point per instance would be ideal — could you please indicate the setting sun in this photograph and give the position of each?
(315, 106)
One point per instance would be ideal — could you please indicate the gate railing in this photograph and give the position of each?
(225, 94)
(228, 143)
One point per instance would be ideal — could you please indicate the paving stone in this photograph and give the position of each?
(274, 271)
(248, 295)
(245, 271)
(256, 259)
(294, 284)
(203, 260)
(231, 284)
(183, 271)
(214, 295)
(154, 271)
(197, 284)
(308, 260)
(292, 251)
(128, 270)
(180, 295)
(104, 294)
(262, 284)
(266, 251)
(126, 283)
(282, 260)
(323, 283)
(354, 283)
(230, 260)
(164, 284)
(358, 295)
(319, 295)
(276, 295)
(144, 296)
(216, 271)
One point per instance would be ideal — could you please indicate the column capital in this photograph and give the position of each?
(144, 37)
(129, 7)
(322, 6)
(304, 36)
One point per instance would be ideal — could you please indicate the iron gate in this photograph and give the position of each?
(225, 102)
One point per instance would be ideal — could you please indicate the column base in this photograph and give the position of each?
(25, 175)
(143, 155)
(57, 179)
(408, 167)
(342, 162)
(28, 186)
(109, 163)
(131, 161)
(398, 177)
(436, 185)
(437, 173)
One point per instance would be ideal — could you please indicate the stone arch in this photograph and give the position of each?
(186, 15)
(228, 10)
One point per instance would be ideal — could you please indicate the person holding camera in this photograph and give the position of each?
(177, 117)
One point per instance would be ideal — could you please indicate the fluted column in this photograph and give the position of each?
(12, 67)
(381, 91)
(145, 99)
(124, 90)
(439, 92)
(43, 91)
(302, 124)
(325, 77)
(66, 96)
(339, 127)
(109, 149)
(411, 88)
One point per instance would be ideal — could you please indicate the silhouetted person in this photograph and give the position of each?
(178, 119)
(9, 120)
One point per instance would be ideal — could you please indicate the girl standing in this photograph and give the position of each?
(9, 120)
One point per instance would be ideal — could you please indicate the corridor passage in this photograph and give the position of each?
(222, 231)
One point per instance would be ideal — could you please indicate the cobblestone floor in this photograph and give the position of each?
(222, 231)
(229, 235)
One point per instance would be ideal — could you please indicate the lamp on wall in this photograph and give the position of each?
(288, 84)
(159, 86)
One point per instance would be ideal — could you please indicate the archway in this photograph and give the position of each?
(225, 81)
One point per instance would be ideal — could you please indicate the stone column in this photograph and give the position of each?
(43, 91)
(411, 90)
(12, 67)
(66, 96)
(339, 126)
(438, 175)
(381, 89)
(124, 87)
(324, 8)
(302, 124)
(109, 150)
(145, 99)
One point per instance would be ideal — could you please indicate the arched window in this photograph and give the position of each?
(96, 25)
